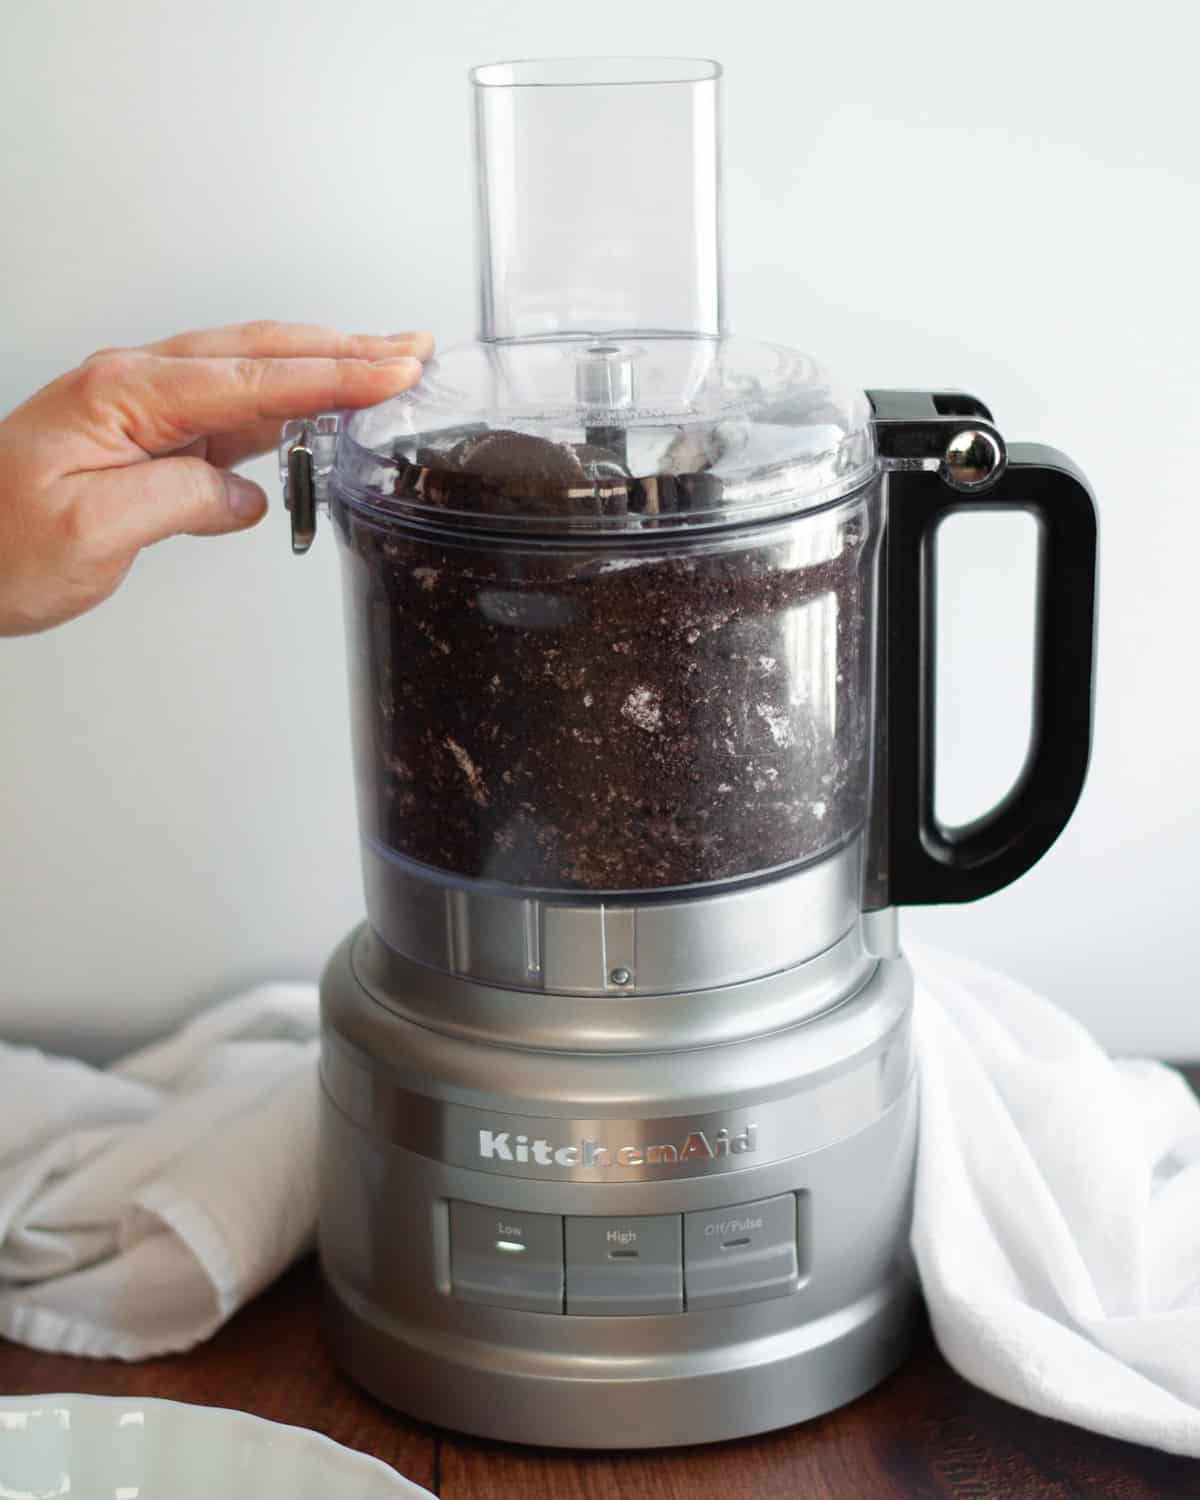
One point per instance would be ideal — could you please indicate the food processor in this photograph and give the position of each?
(619, 1107)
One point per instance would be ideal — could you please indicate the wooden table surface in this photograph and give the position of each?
(922, 1435)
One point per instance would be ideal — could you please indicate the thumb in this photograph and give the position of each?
(144, 503)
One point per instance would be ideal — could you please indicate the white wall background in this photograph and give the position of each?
(1002, 196)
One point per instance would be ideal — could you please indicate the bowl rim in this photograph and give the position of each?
(355, 1457)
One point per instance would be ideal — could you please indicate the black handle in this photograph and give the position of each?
(301, 493)
(924, 862)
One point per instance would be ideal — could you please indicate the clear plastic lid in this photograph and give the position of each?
(612, 433)
(603, 393)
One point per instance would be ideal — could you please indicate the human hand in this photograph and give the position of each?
(138, 444)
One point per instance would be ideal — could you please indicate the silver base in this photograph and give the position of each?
(832, 1101)
(765, 1383)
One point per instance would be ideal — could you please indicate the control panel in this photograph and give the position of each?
(621, 1267)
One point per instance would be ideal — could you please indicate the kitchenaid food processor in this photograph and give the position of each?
(619, 1112)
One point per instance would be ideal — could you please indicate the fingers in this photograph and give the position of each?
(125, 509)
(282, 340)
(161, 403)
(268, 340)
(231, 448)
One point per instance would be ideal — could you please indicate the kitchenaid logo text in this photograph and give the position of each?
(505, 1145)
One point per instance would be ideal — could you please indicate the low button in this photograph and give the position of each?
(742, 1254)
(506, 1258)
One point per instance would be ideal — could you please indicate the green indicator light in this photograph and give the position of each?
(511, 1246)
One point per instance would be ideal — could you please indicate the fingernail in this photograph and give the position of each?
(246, 500)
(404, 362)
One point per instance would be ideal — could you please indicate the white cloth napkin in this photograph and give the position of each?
(143, 1203)
(1057, 1219)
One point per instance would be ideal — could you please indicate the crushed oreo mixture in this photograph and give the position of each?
(616, 715)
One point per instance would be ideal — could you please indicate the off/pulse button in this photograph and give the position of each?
(624, 1267)
(506, 1258)
(743, 1254)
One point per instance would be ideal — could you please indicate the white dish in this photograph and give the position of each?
(134, 1448)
